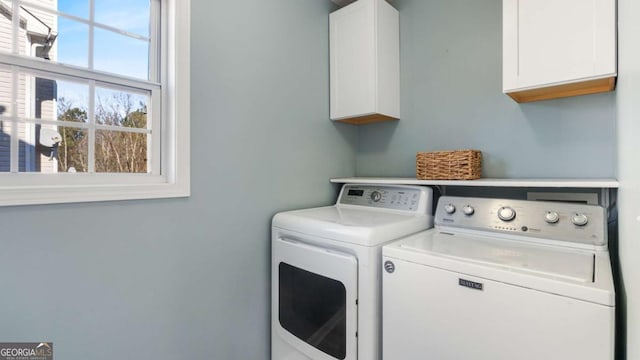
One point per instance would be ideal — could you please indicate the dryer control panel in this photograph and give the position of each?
(393, 197)
(555, 221)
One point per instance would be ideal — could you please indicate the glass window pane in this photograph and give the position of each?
(55, 37)
(33, 156)
(120, 54)
(52, 98)
(313, 308)
(6, 86)
(29, 154)
(121, 108)
(5, 146)
(50, 149)
(72, 43)
(41, 27)
(79, 8)
(73, 150)
(121, 152)
(72, 101)
(6, 26)
(45, 98)
(128, 15)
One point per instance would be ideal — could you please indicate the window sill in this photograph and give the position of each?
(33, 195)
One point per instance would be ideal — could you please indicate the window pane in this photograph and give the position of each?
(6, 26)
(6, 85)
(5, 146)
(121, 152)
(73, 150)
(121, 54)
(53, 99)
(54, 37)
(72, 101)
(37, 148)
(50, 149)
(72, 44)
(79, 8)
(128, 15)
(40, 27)
(120, 108)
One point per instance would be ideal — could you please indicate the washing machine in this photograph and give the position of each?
(326, 270)
(500, 279)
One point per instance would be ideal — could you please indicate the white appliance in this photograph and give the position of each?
(326, 270)
(501, 280)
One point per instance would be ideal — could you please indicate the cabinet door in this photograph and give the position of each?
(551, 42)
(352, 60)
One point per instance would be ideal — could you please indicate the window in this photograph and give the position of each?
(94, 100)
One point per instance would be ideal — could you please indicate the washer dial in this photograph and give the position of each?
(376, 196)
(506, 213)
(579, 219)
(551, 217)
(450, 208)
(468, 210)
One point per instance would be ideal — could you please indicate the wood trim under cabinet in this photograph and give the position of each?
(343, 3)
(565, 90)
(367, 119)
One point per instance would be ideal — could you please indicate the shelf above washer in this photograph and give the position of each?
(536, 183)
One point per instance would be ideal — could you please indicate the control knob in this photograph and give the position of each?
(506, 213)
(579, 219)
(450, 208)
(376, 196)
(551, 217)
(468, 210)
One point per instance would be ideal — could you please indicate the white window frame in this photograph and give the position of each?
(174, 178)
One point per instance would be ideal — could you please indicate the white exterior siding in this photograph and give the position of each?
(31, 156)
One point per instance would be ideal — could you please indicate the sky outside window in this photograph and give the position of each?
(73, 42)
(113, 52)
(78, 8)
(128, 15)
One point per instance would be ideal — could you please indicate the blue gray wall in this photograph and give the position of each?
(451, 98)
(189, 278)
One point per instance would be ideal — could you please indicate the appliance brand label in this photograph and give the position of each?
(470, 284)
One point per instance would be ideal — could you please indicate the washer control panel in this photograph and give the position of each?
(395, 197)
(576, 223)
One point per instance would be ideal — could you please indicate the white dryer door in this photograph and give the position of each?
(315, 299)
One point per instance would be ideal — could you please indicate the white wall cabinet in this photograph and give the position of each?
(558, 48)
(365, 62)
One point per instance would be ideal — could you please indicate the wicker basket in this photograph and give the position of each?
(449, 165)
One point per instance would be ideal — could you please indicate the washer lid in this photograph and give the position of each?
(579, 274)
(366, 226)
(554, 262)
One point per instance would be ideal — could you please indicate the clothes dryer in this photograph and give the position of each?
(326, 270)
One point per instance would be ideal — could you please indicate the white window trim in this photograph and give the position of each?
(175, 179)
